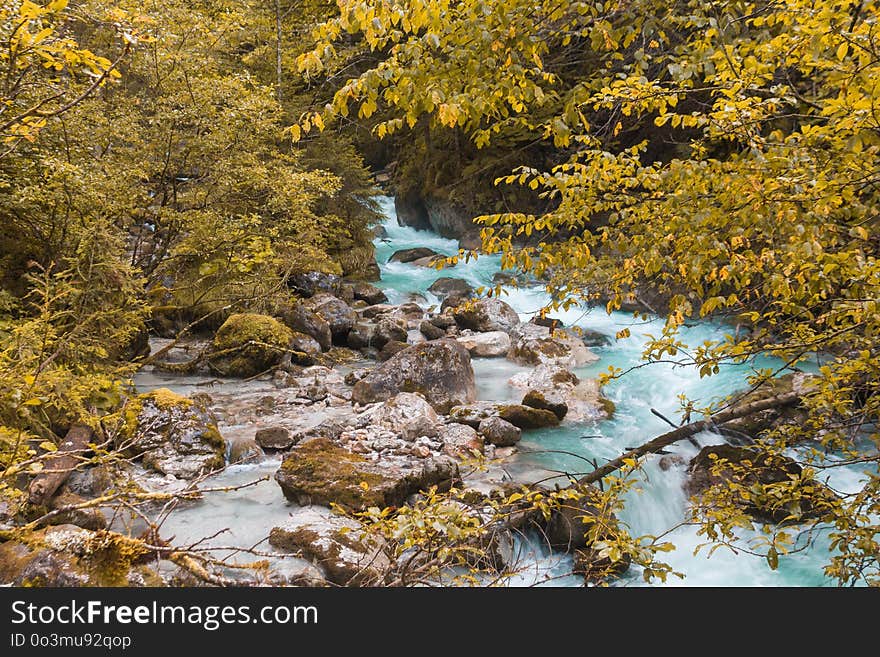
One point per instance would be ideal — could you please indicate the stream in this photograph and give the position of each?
(656, 504)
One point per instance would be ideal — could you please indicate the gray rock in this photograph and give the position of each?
(361, 335)
(460, 441)
(550, 401)
(304, 349)
(321, 472)
(535, 345)
(339, 315)
(410, 255)
(430, 331)
(303, 320)
(390, 348)
(491, 344)
(369, 293)
(336, 544)
(445, 287)
(274, 438)
(242, 449)
(486, 315)
(407, 414)
(500, 433)
(314, 282)
(441, 370)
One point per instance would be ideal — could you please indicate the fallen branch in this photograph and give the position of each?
(59, 466)
(688, 430)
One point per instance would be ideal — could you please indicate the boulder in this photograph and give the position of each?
(549, 401)
(321, 472)
(303, 349)
(242, 449)
(721, 465)
(582, 398)
(460, 441)
(274, 438)
(336, 544)
(410, 255)
(248, 344)
(491, 344)
(535, 345)
(451, 287)
(388, 329)
(173, 435)
(670, 461)
(575, 524)
(362, 335)
(339, 315)
(314, 282)
(486, 315)
(594, 338)
(407, 414)
(370, 293)
(430, 331)
(390, 348)
(440, 370)
(70, 556)
(499, 432)
(301, 319)
(526, 417)
(430, 261)
(443, 321)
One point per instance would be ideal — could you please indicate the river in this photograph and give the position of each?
(657, 503)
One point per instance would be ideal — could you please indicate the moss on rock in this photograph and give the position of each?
(248, 344)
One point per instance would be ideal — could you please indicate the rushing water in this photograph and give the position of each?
(658, 502)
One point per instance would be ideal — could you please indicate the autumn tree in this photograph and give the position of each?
(712, 160)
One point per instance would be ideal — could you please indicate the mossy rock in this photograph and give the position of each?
(321, 472)
(248, 344)
(172, 434)
(526, 417)
(67, 556)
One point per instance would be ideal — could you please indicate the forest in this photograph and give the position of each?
(439, 293)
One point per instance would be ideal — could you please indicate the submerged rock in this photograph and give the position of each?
(320, 472)
(336, 544)
(486, 315)
(248, 344)
(440, 370)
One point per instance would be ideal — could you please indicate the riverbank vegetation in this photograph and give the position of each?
(167, 165)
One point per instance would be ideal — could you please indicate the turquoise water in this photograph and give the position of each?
(659, 502)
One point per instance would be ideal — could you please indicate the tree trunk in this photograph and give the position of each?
(59, 466)
(278, 69)
(688, 430)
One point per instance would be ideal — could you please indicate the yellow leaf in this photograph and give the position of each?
(48, 446)
(33, 401)
(57, 5)
(842, 50)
